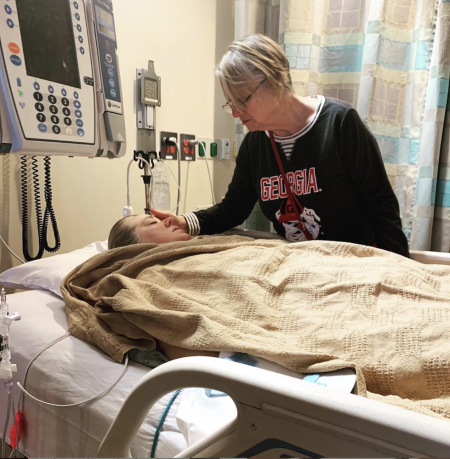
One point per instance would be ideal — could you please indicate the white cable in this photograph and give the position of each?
(6, 245)
(209, 174)
(128, 183)
(179, 175)
(71, 404)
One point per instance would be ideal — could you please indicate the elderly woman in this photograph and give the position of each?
(311, 162)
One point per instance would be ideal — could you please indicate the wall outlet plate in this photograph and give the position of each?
(168, 151)
(187, 152)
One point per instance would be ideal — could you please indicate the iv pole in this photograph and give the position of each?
(148, 96)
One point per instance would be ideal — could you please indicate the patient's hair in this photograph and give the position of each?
(123, 233)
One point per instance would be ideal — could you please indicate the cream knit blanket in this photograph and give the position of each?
(310, 306)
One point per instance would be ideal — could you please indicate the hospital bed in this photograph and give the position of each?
(278, 416)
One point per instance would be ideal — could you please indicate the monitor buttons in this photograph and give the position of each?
(67, 121)
(14, 48)
(54, 109)
(77, 104)
(38, 96)
(10, 23)
(65, 102)
(80, 123)
(66, 111)
(80, 132)
(37, 86)
(52, 99)
(69, 131)
(16, 60)
(41, 117)
(55, 119)
(78, 113)
(39, 107)
(42, 128)
(51, 89)
(56, 129)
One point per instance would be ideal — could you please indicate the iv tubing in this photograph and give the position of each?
(6, 245)
(70, 405)
(8, 409)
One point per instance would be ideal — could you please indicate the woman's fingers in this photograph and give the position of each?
(176, 220)
(161, 214)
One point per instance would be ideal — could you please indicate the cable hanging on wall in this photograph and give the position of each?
(49, 213)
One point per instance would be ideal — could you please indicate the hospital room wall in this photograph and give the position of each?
(185, 39)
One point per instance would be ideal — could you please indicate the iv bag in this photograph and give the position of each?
(160, 198)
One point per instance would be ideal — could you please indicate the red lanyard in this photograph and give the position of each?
(294, 200)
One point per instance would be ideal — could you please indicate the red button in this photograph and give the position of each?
(166, 149)
(172, 149)
(191, 151)
(186, 143)
(186, 150)
(14, 48)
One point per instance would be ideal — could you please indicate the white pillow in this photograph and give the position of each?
(48, 273)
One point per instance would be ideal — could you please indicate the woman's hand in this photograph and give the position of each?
(174, 220)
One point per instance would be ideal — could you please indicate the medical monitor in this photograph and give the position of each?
(48, 41)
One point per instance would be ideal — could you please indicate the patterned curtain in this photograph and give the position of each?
(390, 59)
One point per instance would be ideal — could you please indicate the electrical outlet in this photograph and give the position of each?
(168, 151)
(225, 149)
(187, 152)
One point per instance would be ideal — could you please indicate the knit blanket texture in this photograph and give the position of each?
(312, 307)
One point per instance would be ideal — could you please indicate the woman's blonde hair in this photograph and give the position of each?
(123, 233)
(249, 62)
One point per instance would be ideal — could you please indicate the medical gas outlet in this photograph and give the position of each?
(225, 150)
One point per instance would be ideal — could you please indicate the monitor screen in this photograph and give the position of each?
(48, 41)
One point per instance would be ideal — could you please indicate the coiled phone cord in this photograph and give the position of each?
(49, 213)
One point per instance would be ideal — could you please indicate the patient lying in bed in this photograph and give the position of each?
(312, 307)
(141, 229)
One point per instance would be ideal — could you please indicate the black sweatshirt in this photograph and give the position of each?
(338, 175)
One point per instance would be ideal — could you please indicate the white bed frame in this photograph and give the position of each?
(279, 416)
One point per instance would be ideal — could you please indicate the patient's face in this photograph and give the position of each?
(150, 229)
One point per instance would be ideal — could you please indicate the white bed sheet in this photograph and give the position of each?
(72, 371)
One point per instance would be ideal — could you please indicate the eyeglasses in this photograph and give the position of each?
(228, 107)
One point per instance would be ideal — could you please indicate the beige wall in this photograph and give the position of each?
(185, 39)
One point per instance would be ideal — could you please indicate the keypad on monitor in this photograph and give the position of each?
(49, 106)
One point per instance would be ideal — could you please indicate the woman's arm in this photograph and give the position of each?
(362, 158)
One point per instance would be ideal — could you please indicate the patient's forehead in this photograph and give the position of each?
(145, 219)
